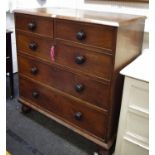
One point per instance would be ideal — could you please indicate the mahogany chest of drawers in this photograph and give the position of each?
(69, 63)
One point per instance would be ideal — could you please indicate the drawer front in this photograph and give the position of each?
(76, 85)
(91, 34)
(81, 59)
(70, 110)
(37, 46)
(34, 24)
(73, 57)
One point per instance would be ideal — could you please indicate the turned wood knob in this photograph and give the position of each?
(78, 116)
(80, 59)
(80, 35)
(32, 26)
(79, 87)
(35, 94)
(34, 70)
(33, 46)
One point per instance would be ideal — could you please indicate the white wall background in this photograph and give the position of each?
(121, 7)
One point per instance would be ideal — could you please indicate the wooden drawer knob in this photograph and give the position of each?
(35, 94)
(80, 59)
(34, 70)
(32, 26)
(79, 87)
(78, 116)
(33, 46)
(80, 35)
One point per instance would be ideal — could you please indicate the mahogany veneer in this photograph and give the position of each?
(69, 63)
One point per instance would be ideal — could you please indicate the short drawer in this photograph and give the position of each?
(37, 46)
(77, 85)
(92, 34)
(75, 113)
(84, 59)
(34, 24)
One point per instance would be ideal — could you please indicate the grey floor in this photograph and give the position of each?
(35, 134)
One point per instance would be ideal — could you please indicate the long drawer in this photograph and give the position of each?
(69, 110)
(77, 85)
(34, 24)
(92, 34)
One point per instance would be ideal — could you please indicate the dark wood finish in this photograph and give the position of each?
(35, 24)
(129, 38)
(95, 63)
(70, 71)
(128, 47)
(9, 63)
(43, 45)
(94, 35)
(84, 16)
(66, 81)
(64, 107)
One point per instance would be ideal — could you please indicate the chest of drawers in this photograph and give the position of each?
(69, 63)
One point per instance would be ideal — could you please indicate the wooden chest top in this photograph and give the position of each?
(104, 18)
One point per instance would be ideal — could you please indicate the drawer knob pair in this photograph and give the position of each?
(32, 26)
(33, 46)
(80, 35)
(78, 116)
(80, 59)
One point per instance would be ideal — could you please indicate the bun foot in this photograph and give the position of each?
(25, 109)
(102, 151)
